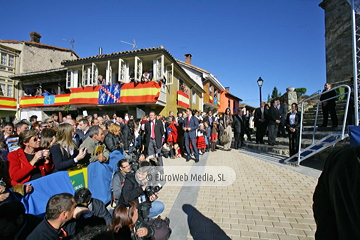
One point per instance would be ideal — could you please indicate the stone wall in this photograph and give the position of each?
(338, 40)
(37, 58)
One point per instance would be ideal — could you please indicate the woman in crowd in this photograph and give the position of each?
(123, 221)
(28, 163)
(64, 152)
(292, 124)
(228, 120)
(48, 138)
(113, 139)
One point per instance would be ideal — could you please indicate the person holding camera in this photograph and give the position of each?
(64, 152)
(125, 224)
(118, 179)
(136, 187)
(28, 163)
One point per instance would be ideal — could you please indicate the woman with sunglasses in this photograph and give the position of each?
(123, 222)
(28, 162)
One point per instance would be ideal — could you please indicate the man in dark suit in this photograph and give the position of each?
(282, 113)
(190, 125)
(274, 120)
(154, 131)
(239, 129)
(209, 118)
(83, 131)
(260, 122)
(329, 106)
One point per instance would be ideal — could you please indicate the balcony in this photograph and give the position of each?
(124, 94)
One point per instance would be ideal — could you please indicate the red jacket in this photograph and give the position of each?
(20, 169)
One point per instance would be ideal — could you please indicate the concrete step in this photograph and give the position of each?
(282, 148)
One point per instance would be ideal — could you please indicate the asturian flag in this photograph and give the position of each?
(109, 94)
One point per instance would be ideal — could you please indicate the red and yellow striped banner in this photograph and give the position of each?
(211, 100)
(218, 103)
(84, 95)
(147, 92)
(38, 101)
(7, 102)
(183, 99)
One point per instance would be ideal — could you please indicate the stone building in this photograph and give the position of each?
(22, 57)
(112, 83)
(338, 41)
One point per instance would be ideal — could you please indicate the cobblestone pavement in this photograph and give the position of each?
(266, 201)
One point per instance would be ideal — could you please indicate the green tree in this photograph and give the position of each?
(300, 92)
(269, 99)
(275, 93)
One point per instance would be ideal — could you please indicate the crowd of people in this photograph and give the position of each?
(32, 149)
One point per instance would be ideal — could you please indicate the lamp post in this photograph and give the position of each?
(260, 83)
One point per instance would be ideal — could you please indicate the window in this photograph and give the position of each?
(138, 69)
(228, 103)
(169, 74)
(193, 96)
(7, 62)
(72, 78)
(11, 61)
(6, 88)
(123, 71)
(159, 68)
(90, 75)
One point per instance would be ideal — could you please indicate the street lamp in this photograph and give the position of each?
(260, 83)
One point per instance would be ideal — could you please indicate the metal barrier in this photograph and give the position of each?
(341, 136)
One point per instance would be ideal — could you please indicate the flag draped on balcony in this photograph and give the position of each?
(183, 99)
(38, 101)
(147, 92)
(7, 102)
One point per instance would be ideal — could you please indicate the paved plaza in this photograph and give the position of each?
(266, 201)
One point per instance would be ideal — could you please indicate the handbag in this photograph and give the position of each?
(225, 138)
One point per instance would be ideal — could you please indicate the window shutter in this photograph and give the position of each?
(159, 68)
(68, 79)
(95, 74)
(84, 76)
(138, 69)
(170, 74)
(123, 71)
(75, 79)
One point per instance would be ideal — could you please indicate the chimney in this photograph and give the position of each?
(188, 58)
(227, 89)
(35, 37)
(100, 50)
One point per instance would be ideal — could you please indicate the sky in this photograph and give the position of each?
(238, 41)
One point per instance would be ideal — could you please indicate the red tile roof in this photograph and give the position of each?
(192, 66)
(40, 45)
(143, 50)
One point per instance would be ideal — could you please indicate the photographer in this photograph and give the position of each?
(135, 188)
(118, 179)
(123, 222)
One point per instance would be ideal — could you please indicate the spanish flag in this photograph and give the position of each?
(147, 92)
(40, 101)
(7, 102)
(84, 95)
(211, 99)
(183, 99)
